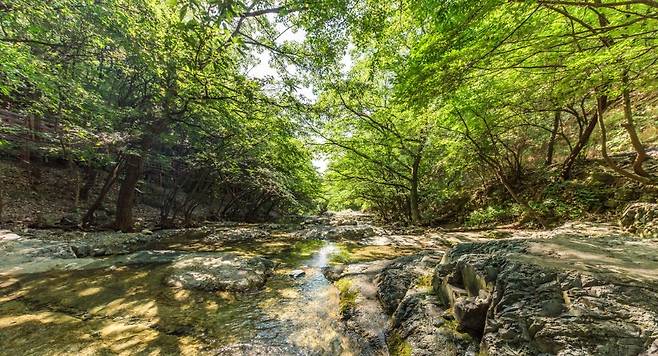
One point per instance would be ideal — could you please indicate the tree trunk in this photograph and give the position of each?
(551, 143)
(76, 194)
(26, 154)
(2, 201)
(413, 193)
(109, 182)
(629, 125)
(567, 167)
(126, 199)
(532, 212)
(604, 149)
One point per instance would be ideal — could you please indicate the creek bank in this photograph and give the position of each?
(581, 289)
(390, 304)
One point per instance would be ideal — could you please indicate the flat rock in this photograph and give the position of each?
(219, 272)
(236, 234)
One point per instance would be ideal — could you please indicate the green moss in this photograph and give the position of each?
(347, 295)
(451, 327)
(424, 281)
(397, 346)
(343, 256)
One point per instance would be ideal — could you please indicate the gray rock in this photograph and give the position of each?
(419, 325)
(471, 314)
(525, 297)
(297, 273)
(333, 272)
(236, 234)
(395, 280)
(364, 319)
(220, 272)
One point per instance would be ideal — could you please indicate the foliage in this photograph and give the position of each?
(441, 99)
(494, 90)
(493, 214)
(165, 81)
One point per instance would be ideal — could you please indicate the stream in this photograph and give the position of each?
(261, 290)
(126, 309)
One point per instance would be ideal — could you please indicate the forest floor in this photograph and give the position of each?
(45, 201)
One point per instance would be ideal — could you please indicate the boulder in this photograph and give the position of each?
(395, 280)
(363, 317)
(471, 314)
(421, 326)
(219, 272)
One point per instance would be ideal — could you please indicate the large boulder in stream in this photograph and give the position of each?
(220, 272)
(389, 308)
(565, 295)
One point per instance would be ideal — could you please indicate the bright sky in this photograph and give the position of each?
(263, 70)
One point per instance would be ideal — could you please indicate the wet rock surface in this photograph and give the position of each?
(363, 316)
(225, 272)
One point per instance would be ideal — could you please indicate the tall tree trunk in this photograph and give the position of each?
(551, 143)
(109, 182)
(413, 193)
(76, 194)
(126, 200)
(26, 155)
(2, 201)
(629, 125)
(567, 167)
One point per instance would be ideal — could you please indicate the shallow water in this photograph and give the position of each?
(128, 310)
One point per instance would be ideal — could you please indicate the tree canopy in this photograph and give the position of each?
(440, 99)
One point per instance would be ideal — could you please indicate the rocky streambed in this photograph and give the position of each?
(329, 287)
